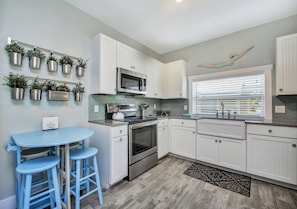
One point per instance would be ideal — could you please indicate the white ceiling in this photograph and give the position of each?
(165, 26)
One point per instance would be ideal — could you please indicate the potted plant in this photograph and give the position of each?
(80, 67)
(66, 62)
(57, 92)
(16, 53)
(52, 63)
(35, 58)
(17, 83)
(36, 88)
(78, 91)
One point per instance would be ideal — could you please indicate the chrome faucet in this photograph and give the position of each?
(222, 107)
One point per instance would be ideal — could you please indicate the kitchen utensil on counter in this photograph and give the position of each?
(143, 109)
(118, 116)
(162, 113)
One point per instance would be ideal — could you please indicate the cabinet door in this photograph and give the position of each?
(124, 56)
(163, 141)
(286, 65)
(118, 159)
(139, 60)
(207, 148)
(272, 157)
(183, 141)
(232, 153)
(103, 65)
(154, 72)
(176, 79)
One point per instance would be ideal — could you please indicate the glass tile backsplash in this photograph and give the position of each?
(176, 106)
(101, 100)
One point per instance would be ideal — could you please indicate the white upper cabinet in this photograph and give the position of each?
(130, 59)
(286, 65)
(155, 78)
(103, 65)
(176, 79)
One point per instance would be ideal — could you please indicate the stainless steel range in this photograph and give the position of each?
(142, 139)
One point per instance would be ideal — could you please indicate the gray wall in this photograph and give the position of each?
(55, 25)
(263, 38)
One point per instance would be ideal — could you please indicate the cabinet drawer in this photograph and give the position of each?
(182, 122)
(162, 122)
(267, 130)
(119, 131)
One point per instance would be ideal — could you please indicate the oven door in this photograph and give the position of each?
(142, 140)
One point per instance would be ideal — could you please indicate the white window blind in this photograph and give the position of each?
(244, 95)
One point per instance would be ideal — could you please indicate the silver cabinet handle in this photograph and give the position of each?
(269, 131)
(216, 141)
(220, 141)
(294, 145)
(193, 132)
(121, 131)
(280, 89)
(121, 139)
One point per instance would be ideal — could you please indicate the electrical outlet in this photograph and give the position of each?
(280, 109)
(185, 107)
(96, 108)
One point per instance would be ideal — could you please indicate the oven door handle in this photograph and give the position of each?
(144, 124)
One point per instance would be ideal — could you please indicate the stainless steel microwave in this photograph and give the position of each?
(131, 82)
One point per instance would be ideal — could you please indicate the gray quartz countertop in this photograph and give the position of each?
(109, 122)
(113, 123)
(266, 122)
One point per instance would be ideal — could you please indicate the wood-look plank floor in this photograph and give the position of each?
(166, 187)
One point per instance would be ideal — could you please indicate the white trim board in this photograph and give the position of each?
(8, 203)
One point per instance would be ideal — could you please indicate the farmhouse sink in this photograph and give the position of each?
(235, 129)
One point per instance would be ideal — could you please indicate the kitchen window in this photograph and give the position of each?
(245, 92)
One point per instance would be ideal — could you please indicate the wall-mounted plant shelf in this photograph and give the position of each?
(10, 40)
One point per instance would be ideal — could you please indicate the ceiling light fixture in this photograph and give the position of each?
(179, 1)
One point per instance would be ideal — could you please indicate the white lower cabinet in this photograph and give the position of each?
(118, 159)
(183, 138)
(272, 152)
(112, 157)
(163, 138)
(230, 153)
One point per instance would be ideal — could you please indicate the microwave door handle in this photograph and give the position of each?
(143, 84)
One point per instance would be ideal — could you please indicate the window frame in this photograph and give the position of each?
(266, 69)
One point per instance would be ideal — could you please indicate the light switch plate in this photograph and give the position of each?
(96, 108)
(185, 107)
(49, 123)
(280, 109)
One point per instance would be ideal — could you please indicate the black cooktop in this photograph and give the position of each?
(138, 119)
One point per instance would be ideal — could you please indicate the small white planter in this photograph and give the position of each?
(15, 59)
(17, 93)
(78, 97)
(80, 71)
(34, 62)
(52, 66)
(58, 95)
(35, 94)
(66, 69)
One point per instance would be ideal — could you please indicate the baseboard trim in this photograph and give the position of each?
(8, 203)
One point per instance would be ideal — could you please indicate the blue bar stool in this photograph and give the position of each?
(87, 171)
(29, 199)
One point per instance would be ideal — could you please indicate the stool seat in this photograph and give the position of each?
(37, 165)
(83, 153)
(47, 193)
